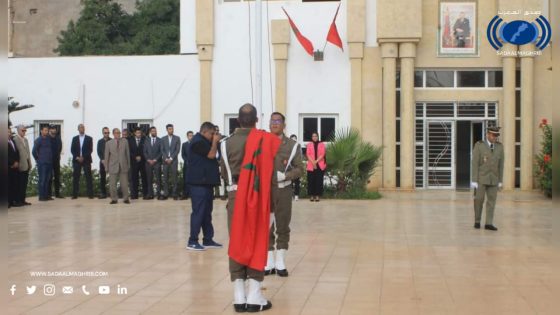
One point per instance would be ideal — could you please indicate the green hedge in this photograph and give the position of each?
(66, 181)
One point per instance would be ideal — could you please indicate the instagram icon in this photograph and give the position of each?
(49, 290)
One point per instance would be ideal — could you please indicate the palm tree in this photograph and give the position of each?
(14, 106)
(351, 161)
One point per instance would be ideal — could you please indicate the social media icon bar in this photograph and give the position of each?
(13, 289)
(31, 290)
(104, 290)
(49, 290)
(67, 290)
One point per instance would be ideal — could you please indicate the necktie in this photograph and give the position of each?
(137, 142)
(117, 144)
(492, 147)
(153, 141)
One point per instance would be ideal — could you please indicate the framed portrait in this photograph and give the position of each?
(458, 34)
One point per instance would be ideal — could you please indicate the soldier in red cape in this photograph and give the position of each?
(247, 166)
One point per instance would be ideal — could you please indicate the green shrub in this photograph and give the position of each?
(65, 181)
(543, 167)
(350, 163)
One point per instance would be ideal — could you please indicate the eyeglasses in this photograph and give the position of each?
(105, 133)
(276, 121)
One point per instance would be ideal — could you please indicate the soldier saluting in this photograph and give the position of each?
(487, 175)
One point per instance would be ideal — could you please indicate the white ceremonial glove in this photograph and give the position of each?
(474, 185)
(280, 176)
(500, 185)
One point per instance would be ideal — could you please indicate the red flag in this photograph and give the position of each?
(333, 36)
(306, 43)
(248, 244)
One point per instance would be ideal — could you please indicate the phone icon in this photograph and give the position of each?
(86, 292)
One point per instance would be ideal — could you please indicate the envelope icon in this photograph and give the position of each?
(67, 290)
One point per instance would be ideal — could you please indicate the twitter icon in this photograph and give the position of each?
(31, 289)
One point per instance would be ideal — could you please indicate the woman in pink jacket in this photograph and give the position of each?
(316, 165)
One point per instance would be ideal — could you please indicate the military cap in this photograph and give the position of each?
(494, 130)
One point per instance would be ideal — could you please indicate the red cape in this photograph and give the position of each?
(248, 244)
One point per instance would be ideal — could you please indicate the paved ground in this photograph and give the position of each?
(408, 253)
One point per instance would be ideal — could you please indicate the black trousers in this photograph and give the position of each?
(55, 179)
(102, 180)
(315, 182)
(77, 172)
(23, 179)
(136, 169)
(297, 186)
(13, 188)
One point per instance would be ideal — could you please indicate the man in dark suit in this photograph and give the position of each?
(170, 145)
(56, 143)
(13, 170)
(137, 164)
(42, 153)
(82, 147)
(152, 154)
(101, 154)
(185, 155)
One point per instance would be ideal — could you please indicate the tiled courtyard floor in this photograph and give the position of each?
(408, 253)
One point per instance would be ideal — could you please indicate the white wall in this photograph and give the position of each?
(313, 87)
(166, 88)
(162, 88)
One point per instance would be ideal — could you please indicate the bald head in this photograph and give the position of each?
(247, 116)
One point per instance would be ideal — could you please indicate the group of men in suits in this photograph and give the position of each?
(152, 161)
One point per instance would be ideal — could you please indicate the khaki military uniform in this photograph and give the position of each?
(233, 151)
(288, 161)
(488, 171)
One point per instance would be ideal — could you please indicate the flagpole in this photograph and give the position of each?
(258, 59)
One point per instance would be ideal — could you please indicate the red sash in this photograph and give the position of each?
(248, 244)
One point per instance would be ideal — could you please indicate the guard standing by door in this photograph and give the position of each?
(487, 175)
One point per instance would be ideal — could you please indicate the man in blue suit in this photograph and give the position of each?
(82, 147)
(43, 155)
